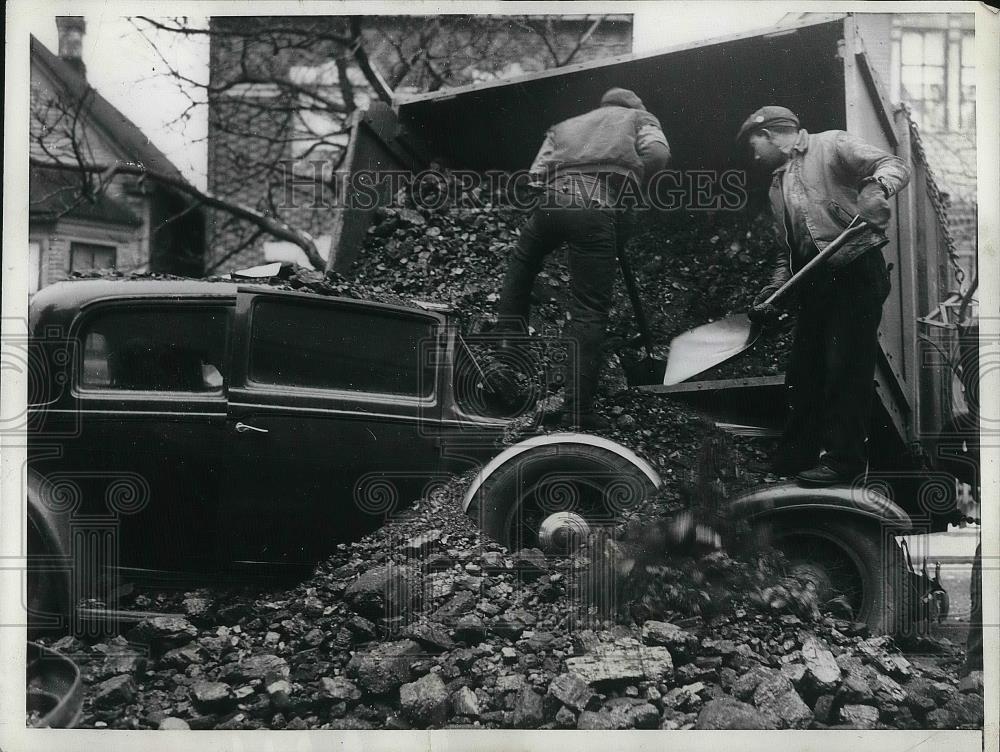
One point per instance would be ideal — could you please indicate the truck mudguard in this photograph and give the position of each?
(849, 500)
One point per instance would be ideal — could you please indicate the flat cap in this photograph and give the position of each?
(622, 98)
(766, 117)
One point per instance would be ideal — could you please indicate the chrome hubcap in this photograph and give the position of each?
(561, 532)
(817, 575)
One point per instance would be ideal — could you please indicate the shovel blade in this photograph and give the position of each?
(707, 346)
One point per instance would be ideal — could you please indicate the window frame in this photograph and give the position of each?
(962, 68)
(77, 245)
(953, 103)
(918, 104)
(35, 270)
(245, 310)
(82, 325)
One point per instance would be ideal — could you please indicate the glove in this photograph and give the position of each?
(873, 206)
(763, 313)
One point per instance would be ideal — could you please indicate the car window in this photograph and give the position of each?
(343, 348)
(155, 348)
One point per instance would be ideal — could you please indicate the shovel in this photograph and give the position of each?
(710, 345)
(649, 370)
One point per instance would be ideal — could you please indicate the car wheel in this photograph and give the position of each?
(854, 558)
(553, 497)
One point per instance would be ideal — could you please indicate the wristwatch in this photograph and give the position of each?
(881, 184)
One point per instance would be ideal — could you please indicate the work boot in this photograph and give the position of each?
(823, 475)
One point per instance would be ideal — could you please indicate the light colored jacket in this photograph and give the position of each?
(824, 176)
(610, 139)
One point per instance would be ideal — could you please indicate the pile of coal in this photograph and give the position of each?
(691, 268)
(426, 623)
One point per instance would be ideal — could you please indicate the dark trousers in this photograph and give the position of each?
(831, 372)
(592, 234)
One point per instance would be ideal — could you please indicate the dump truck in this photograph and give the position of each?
(842, 537)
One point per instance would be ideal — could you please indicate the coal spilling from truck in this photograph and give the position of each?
(429, 623)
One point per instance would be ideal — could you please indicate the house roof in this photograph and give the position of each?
(56, 193)
(123, 132)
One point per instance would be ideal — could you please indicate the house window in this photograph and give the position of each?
(967, 83)
(923, 74)
(87, 256)
(34, 266)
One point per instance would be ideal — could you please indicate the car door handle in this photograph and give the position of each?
(243, 428)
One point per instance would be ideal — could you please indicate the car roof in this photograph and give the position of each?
(58, 303)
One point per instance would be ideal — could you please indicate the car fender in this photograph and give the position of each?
(44, 511)
(558, 439)
(849, 500)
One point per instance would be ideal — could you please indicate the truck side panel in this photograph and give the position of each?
(377, 148)
(869, 116)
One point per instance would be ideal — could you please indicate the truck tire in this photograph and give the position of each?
(854, 557)
(559, 485)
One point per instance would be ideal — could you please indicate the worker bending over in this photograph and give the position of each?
(819, 183)
(583, 169)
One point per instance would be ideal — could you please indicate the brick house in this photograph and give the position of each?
(257, 121)
(131, 225)
(927, 61)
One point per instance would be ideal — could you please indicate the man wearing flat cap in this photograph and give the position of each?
(583, 169)
(819, 183)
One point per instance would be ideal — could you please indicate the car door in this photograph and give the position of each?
(333, 421)
(151, 414)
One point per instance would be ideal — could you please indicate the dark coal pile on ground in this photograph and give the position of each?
(428, 623)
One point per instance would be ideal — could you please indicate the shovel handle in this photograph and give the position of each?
(645, 335)
(856, 226)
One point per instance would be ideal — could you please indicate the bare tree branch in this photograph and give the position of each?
(271, 225)
(375, 80)
(283, 89)
(258, 233)
(581, 41)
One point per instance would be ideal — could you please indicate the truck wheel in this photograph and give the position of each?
(854, 557)
(554, 496)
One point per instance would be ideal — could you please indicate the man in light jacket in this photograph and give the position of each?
(583, 168)
(819, 182)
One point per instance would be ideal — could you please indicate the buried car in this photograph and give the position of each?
(188, 425)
